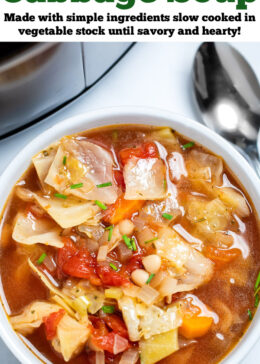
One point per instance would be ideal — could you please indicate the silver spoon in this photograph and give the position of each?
(228, 95)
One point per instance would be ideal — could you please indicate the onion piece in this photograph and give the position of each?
(145, 235)
(158, 278)
(120, 344)
(131, 290)
(130, 356)
(124, 253)
(49, 263)
(168, 286)
(102, 253)
(90, 244)
(147, 294)
(100, 357)
(24, 194)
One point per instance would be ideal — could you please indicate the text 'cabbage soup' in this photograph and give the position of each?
(130, 244)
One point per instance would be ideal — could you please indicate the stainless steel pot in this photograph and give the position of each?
(38, 78)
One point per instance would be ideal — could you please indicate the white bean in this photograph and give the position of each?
(126, 227)
(140, 276)
(152, 263)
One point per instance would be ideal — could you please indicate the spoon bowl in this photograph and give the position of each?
(228, 96)
(227, 92)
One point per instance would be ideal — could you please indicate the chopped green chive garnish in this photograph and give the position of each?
(150, 278)
(188, 145)
(108, 309)
(107, 184)
(250, 316)
(41, 259)
(60, 195)
(151, 240)
(257, 281)
(64, 160)
(127, 241)
(165, 184)
(167, 216)
(134, 248)
(110, 233)
(130, 243)
(113, 266)
(77, 185)
(256, 301)
(101, 205)
(200, 220)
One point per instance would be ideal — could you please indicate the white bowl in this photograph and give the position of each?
(130, 115)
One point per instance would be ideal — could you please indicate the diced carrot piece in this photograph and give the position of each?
(195, 326)
(121, 209)
(221, 256)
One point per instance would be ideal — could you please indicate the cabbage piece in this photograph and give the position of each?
(165, 136)
(208, 216)
(92, 232)
(86, 163)
(157, 321)
(32, 316)
(53, 290)
(144, 179)
(71, 337)
(143, 320)
(95, 297)
(154, 210)
(171, 246)
(235, 200)
(187, 260)
(129, 311)
(176, 166)
(42, 162)
(158, 347)
(204, 166)
(70, 212)
(28, 230)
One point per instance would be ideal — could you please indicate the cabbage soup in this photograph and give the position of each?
(129, 244)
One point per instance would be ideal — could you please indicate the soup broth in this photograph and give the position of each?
(128, 244)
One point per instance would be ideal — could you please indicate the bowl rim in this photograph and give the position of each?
(128, 115)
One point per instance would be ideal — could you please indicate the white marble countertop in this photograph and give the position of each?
(151, 74)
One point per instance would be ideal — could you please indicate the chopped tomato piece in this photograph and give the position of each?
(105, 342)
(82, 265)
(147, 150)
(118, 175)
(110, 277)
(121, 209)
(112, 342)
(134, 263)
(64, 254)
(98, 325)
(76, 263)
(51, 322)
(116, 324)
(221, 256)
